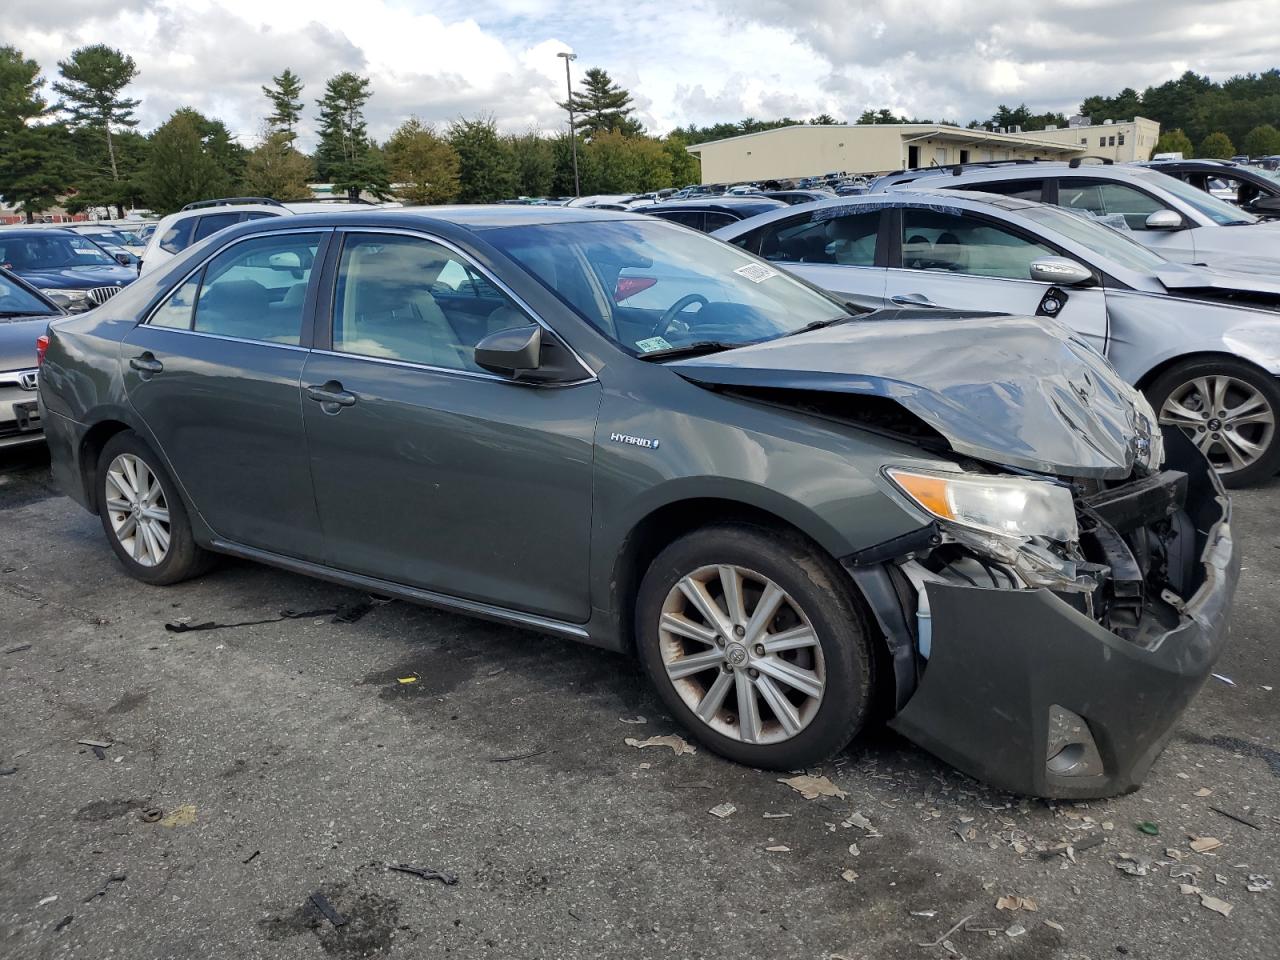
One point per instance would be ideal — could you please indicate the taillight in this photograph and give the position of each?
(630, 286)
(42, 347)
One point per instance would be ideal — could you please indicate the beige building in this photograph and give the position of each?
(806, 151)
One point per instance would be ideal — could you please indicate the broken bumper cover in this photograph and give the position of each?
(1003, 660)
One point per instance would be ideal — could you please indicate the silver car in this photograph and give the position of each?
(1176, 219)
(25, 313)
(1203, 344)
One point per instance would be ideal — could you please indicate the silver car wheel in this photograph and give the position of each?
(1231, 422)
(741, 654)
(137, 509)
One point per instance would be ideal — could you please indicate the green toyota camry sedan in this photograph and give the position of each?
(799, 516)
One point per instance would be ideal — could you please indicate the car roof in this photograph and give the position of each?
(33, 231)
(726, 202)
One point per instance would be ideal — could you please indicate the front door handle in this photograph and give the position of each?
(331, 396)
(146, 363)
(912, 300)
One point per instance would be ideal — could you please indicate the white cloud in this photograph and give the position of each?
(695, 61)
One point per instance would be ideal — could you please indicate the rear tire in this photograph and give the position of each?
(143, 514)
(1229, 409)
(779, 678)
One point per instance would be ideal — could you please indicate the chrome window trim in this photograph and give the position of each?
(219, 336)
(170, 291)
(488, 275)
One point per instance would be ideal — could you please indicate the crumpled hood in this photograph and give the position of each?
(1265, 279)
(1010, 390)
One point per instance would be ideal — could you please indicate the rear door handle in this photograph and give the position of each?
(330, 396)
(912, 300)
(146, 363)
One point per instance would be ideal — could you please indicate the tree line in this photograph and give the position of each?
(82, 149)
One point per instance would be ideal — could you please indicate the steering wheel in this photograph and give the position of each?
(663, 326)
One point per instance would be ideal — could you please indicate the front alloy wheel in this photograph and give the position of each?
(137, 510)
(1231, 422)
(742, 654)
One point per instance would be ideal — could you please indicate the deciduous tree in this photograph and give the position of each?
(275, 169)
(181, 166)
(1216, 146)
(487, 169)
(423, 165)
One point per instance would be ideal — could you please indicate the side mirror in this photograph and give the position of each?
(1264, 205)
(511, 352)
(124, 259)
(1060, 271)
(1164, 220)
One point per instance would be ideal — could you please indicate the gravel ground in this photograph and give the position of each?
(289, 760)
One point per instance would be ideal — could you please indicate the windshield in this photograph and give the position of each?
(1219, 211)
(1101, 239)
(121, 238)
(1271, 175)
(51, 253)
(16, 301)
(652, 286)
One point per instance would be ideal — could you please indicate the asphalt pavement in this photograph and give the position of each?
(259, 779)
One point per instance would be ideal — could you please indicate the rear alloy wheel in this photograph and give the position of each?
(754, 640)
(1230, 411)
(143, 514)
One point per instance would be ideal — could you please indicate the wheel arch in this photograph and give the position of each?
(91, 446)
(1145, 381)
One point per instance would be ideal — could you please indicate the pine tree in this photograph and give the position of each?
(286, 103)
(92, 80)
(602, 107)
(275, 169)
(422, 164)
(345, 156)
(181, 167)
(36, 164)
(487, 170)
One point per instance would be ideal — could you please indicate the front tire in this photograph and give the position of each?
(1229, 409)
(143, 515)
(756, 643)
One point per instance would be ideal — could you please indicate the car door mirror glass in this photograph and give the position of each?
(1164, 220)
(1060, 271)
(123, 259)
(511, 352)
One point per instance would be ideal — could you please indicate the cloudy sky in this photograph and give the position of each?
(695, 61)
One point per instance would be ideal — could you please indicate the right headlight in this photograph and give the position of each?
(1012, 507)
(75, 301)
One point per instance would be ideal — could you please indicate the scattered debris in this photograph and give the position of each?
(19, 648)
(1235, 816)
(1178, 871)
(352, 612)
(848, 876)
(106, 885)
(1148, 827)
(854, 851)
(425, 873)
(1183, 776)
(1259, 883)
(779, 848)
(947, 935)
(1054, 925)
(8, 771)
(1226, 680)
(63, 923)
(343, 613)
(1204, 792)
(519, 756)
(99, 753)
(924, 913)
(862, 823)
(1015, 930)
(679, 746)
(774, 816)
(183, 816)
(813, 787)
(150, 814)
(1216, 905)
(103, 744)
(412, 678)
(1134, 865)
(251, 857)
(51, 898)
(1205, 844)
(325, 907)
(1188, 888)
(637, 719)
(723, 810)
(1016, 903)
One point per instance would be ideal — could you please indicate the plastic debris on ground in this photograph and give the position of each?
(774, 816)
(679, 746)
(1204, 792)
(1226, 680)
(425, 873)
(1258, 883)
(1134, 865)
(636, 719)
(1015, 930)
(723, 810)
(1149, 828)
(183, 816)
(1205, 844)
(321, 903)
(849, 876)
(778, 848)
(1054, 925)
(1216, 905)
(106, 885)
(1016, 903)
(150, 814)
(811, 788)
(862, 823)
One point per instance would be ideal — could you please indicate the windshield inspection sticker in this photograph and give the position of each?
(756, 272)
(652, 344)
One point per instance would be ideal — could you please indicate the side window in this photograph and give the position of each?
(966, 245)
(254, 290)
(177, 237)
(849, 240)
(394, 299)
(1105, 198)
(714, 221)
(212, 223)
(686, 218)
(1022, 189)
(176, 311)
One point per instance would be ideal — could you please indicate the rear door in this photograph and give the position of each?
(838, 250)
(214, 374)
(968, 261)
(428, 470)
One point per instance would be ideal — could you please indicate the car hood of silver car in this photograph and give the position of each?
(1015, 391)
(1251, 276)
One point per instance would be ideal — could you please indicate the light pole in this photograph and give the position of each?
(573, 137)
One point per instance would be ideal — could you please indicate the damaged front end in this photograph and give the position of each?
(1053, 654)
